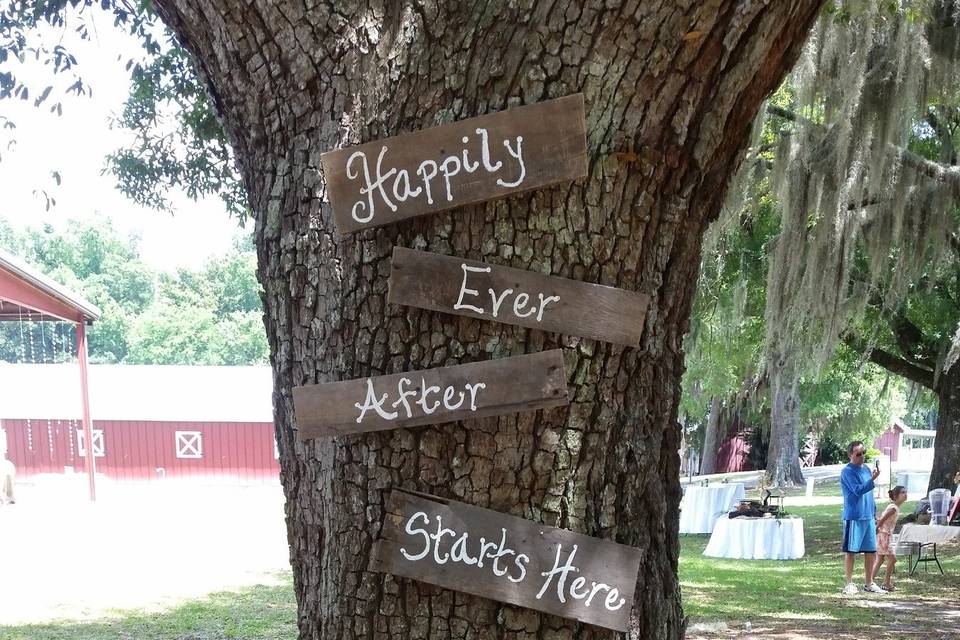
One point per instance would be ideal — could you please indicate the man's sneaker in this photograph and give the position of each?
(873, 587)
(850, 589)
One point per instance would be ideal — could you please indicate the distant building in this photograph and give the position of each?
(907, 447)
(149, 422)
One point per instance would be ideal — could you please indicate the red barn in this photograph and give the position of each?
(149, 422)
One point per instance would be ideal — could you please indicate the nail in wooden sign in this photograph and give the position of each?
(465, 162)
(431, 396)
(490, 554)
(514, 296)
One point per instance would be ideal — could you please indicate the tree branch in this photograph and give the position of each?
(933, 170)
(894, 364)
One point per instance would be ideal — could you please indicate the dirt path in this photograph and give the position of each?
(927, 618)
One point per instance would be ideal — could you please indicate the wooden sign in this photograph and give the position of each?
(470, 161)
(445, 394)
(505, 558)
(514, 296)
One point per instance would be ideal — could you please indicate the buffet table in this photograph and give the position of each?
(702, 506)
(757, 539)
(926, 536)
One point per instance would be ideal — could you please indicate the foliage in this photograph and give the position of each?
(206, 316)
(832, 451)
(178, 141)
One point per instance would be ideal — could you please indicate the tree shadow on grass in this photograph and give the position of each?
(259, 612)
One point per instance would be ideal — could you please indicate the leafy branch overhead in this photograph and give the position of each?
(177, 141)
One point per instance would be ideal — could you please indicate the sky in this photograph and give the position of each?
(76, 144)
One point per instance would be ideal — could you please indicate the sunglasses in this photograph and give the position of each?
(859, 453)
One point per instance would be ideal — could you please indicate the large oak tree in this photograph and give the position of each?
(671, 89)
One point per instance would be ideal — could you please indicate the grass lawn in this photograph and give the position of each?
(783, 600)
(261, 613)
(801, 598)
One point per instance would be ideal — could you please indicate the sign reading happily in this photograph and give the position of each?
(514, 296)
(505, 558)
(465, 162)
(445, 394)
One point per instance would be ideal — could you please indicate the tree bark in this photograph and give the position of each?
(946, 449)
(708, 464)
(671, 90)
(783, 454)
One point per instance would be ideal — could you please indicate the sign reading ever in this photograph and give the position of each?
(514, 296)
(465, 162)
(445, 394)
(505, 558)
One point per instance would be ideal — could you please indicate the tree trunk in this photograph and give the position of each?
(946, 450)
(671, 90)
(708, 463)
(783, 454)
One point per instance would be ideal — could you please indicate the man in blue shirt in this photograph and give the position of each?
(859, 517)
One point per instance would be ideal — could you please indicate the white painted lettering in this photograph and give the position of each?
(448, 396)
(423, 397)
(467, 166)
(519, 303)
(502, 551)
(371, 402)
(404, 394)
(473, 388)
(449, 171)
(498, 300)
(441, 531)
(612, 598)
(596, 586)
(562, 571)
(543, 304)
(485, 153)
(411, 531)
(458, 553)
(521, 560)
(404, 178)
(427, 176)
(464, 290)
(575, 587)
(518, 154)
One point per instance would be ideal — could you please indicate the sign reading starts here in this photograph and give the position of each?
(465, 162)
(505, 558)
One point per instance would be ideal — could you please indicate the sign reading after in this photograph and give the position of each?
(514, 296)
(445, 394)
(465, 162)
(490, 554)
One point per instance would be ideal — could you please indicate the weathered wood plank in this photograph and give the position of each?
(514, 296)
(474, 160)
(490, 554)
(444, 394)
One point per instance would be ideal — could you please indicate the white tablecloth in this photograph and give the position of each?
(757, 539)
(927, 533)
(701, 506)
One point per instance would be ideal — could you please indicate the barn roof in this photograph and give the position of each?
(24, 289)
(138, 392)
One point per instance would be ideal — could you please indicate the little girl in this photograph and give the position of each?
(885, 525)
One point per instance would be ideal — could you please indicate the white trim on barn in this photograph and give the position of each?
(189, 444)
(98, 450)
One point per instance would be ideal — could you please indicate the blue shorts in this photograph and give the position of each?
(859, 536)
